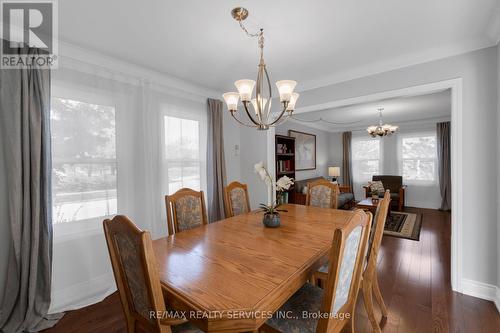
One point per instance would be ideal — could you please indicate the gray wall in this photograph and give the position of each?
(253, 150)
(232, 148)
(478, 70)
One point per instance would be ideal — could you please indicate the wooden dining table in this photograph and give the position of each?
(232, 275)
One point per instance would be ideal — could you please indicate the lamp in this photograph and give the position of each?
(334, 172)
(262, 118)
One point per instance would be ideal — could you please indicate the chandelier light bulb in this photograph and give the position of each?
(262, 104)
(293, 100)
(245, 88)
(231, 99)
(285, 88)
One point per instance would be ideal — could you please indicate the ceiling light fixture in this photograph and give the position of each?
(381, 129)
(261, 103)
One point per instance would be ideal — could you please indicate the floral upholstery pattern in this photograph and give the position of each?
(129, 253)
(347, 268)
(238, 201)
(376, 187)
(188, 212)
(321, 196)
(309, 299)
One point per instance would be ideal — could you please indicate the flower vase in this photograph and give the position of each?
(271, 220)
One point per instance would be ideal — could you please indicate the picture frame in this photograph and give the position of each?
(305, 150)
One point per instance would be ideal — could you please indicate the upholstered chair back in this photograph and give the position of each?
(236, 200)
(185, 210)
(393, 183)
(322, 193)
(135, 269)
(344, 272)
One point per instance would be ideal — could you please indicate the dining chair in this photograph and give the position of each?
(136, 275)
(236, 199)
(369, 284)
(322, 193)
(337, 300)
(185, 210)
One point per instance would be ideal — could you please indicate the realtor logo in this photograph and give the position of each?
(29, 34)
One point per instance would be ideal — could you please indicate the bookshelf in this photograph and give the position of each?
(285, 159)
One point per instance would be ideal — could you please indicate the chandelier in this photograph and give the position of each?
(381, 129)
(261, 117)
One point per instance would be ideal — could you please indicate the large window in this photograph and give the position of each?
(365, 159)
(418, 158)
(83, 160)
(182, 153)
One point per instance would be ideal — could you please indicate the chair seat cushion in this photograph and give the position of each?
(344, 198)
(308, 299)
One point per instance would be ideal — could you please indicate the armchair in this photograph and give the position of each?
(395, 185)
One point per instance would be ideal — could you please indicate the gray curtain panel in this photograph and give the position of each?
(216, 164)
(346, 161)
(25, 135)
(444, 163)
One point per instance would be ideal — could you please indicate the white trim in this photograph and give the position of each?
(456, 155)
(82, 294)
(73, 56)
(438, 53)
(482, 290)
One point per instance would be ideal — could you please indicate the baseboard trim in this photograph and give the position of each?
(482, 290)
(82, 294)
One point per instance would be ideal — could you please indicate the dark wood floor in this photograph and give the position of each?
(415, 283)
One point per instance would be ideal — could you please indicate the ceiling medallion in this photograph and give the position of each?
(381, 129)
(261, 104)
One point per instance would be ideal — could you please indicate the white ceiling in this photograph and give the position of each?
(314, 42)
(397, 111)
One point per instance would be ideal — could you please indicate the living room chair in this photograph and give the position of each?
(136, 275)
(395, 185)
(236, 200)
(322, 193)
(341, 290)
(185, 210)
(369, 284)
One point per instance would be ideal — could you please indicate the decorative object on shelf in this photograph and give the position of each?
(381, 129)
(305, 150)
(271, 210)
(334, 172)
(261, 104)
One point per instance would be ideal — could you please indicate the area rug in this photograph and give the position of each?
(403, 225)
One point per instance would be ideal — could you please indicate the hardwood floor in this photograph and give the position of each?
(414, 278)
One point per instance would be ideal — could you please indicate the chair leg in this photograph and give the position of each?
(368, 301)
(378, 295)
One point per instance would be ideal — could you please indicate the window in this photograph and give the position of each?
(83, 160)
(365, 159)
(182, 154)
(419, 158)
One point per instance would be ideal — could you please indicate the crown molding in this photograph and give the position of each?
(441, 52)
(69, 53)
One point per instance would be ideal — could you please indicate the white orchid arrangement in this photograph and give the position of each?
(283, 184)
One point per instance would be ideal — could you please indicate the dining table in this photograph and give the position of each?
(233, 274)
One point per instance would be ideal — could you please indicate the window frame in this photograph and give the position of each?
(401, 159)
(380, 156)
(84, 94)
(168, 110)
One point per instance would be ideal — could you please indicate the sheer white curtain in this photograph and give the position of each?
(366, 162)
(120, 144)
